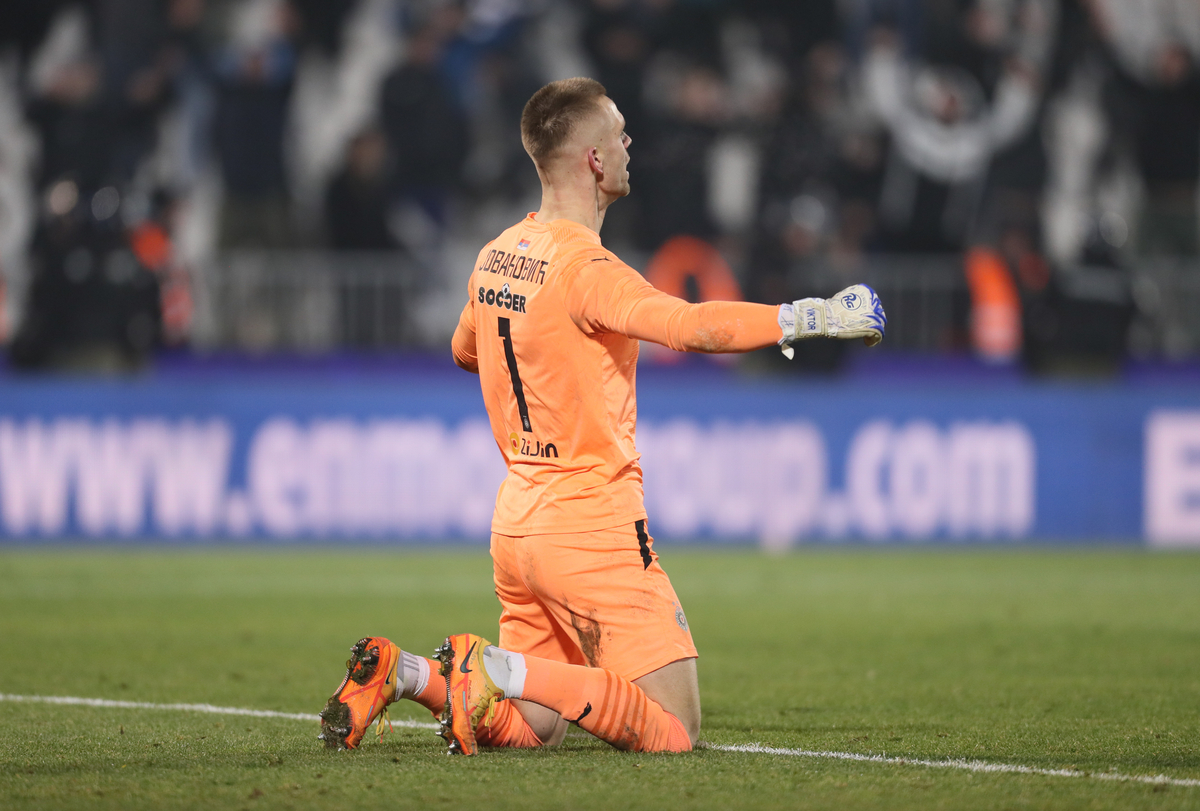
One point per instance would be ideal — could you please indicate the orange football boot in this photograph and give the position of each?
(471, 695)
(369, 686)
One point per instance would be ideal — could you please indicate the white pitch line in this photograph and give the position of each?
(967, 765)
(209, 708)
(748, 748)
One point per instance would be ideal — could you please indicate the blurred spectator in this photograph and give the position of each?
(320, 23)
(151, 242)
(25, 23)
(1155, 106)
(66, 102)
(99, 84)
(790, 29)
(616, 37)
(905, 17)
(995, 302)
(945, 132)
(187, 48)
(492, 62)
(92, 302)
(1007, 245)
(254, 80)
(689, 30)
(426, 129)
(470, 34)
(1167, 133)
(819, 185)
(997, 43)
(356, 216)
(356, 202)
(670, 167)
(498, 165)
(138, 68)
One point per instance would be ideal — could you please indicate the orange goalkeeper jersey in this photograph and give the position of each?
(552, 325)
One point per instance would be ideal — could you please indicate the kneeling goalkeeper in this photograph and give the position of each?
(590, 628)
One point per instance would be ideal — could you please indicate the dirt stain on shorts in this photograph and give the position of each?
(589, 633)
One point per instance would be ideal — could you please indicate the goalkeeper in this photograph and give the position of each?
(591, 630)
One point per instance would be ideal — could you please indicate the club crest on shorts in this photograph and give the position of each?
(679, 617)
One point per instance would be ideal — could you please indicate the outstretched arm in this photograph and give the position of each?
(607, 295)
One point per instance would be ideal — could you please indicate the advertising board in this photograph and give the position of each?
(412, 459)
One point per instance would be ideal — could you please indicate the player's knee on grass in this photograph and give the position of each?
(691, 723)
(549, 726)
(676, 688)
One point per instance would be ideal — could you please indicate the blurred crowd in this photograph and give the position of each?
(795, 138)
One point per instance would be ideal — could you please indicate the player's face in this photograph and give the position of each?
(614, 150)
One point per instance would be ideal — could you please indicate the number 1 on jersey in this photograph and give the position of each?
(518, 389)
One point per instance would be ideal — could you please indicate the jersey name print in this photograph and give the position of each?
(515, 266)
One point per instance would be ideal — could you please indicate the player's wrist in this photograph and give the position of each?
(804, 318)
(812, 319)
(787, 323)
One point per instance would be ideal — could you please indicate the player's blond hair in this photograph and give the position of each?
(551, 114)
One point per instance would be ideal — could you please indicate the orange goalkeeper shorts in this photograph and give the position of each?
(596, 598)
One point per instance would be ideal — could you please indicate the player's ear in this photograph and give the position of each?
(595, 163)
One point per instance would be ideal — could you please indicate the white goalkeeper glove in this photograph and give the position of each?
(853, 313)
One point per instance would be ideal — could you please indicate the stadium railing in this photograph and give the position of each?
(315, 301)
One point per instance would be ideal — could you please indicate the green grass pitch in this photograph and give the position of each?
(1051, 659)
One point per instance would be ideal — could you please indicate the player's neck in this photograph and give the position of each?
(582, 205)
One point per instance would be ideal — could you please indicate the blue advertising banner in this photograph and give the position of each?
(411, 457)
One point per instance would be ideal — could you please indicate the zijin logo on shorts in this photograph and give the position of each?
(503, 298)
(523, 447)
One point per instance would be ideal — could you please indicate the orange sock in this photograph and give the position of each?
(606, 705)
(507, 728)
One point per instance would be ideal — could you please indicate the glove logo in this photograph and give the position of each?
(850, 301)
